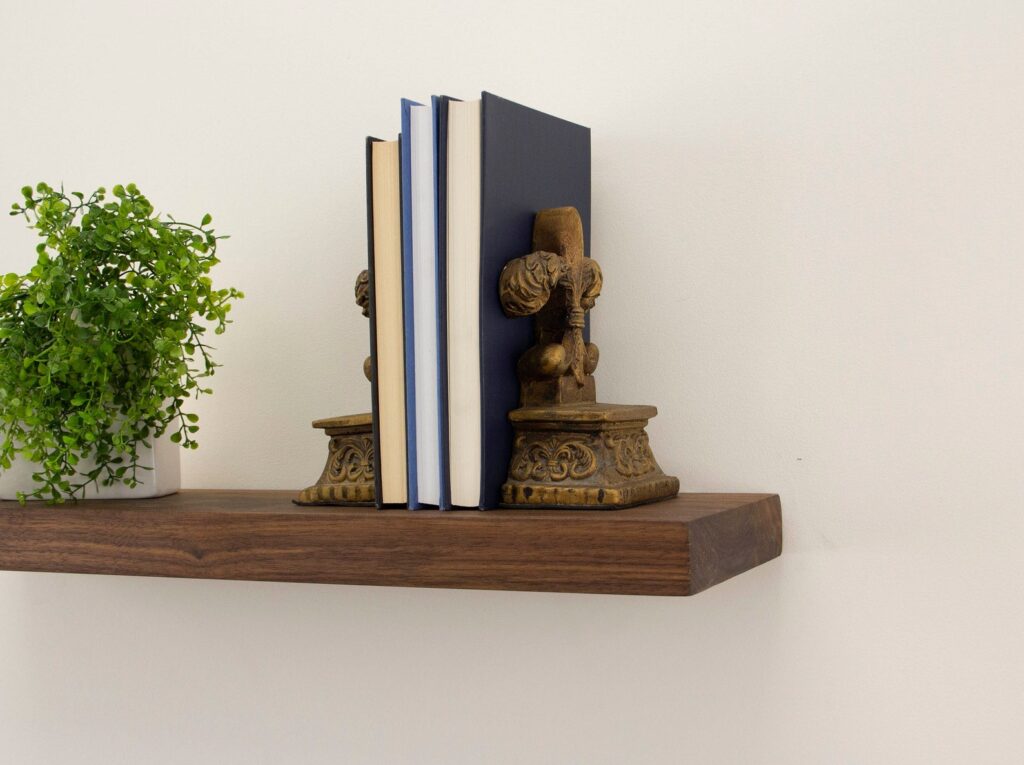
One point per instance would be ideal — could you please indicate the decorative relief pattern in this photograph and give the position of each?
(527, 282)
(351, 460)
(633, 456)
(552, 459)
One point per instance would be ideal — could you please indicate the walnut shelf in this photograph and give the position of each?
(677, 547)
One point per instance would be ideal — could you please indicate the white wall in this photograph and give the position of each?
(809, 219)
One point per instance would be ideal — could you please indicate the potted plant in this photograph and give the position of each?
(102, 343)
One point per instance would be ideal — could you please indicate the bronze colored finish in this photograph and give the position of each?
(348, 475)
(556, 285)
(587, 456)
(363, 301)
(570, 451)
(677, 547)
(347, 478)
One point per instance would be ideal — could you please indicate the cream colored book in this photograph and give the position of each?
(389, 355)
(463, 267)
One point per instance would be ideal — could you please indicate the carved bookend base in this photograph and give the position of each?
(348, 476)
(584, 456)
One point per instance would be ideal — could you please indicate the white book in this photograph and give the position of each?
(424, 258)
(463, 302)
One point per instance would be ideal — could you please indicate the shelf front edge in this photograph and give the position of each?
(675, 548)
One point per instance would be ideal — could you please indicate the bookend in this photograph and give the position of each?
(570, 451)
(347, 478)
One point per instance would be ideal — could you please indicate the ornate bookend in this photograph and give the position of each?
(570, 451)
(347, 478)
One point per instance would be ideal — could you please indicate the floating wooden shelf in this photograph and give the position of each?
(677, 547)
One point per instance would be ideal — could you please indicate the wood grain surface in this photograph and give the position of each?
(677, 547)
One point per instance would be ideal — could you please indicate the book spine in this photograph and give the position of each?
(375, 402)
(409, 325)
(439, 105)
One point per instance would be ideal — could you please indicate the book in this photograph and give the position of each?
(505, 163)
(387, 352)
(421, 314)
(463, 303)
(439, 105)
(408, 300)
(449, 204)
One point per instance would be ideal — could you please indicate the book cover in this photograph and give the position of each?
(440, 114)
(374, 397)
(423, 198)
(386, 314)
(408, 302)
(463, 307)
(530, 161)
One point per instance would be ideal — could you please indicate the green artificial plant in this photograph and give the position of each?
(101, 342)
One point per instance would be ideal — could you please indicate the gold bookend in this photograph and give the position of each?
(347, 478)
(348, 475)
(570, 451)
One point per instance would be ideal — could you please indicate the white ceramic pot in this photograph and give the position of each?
(165, 477)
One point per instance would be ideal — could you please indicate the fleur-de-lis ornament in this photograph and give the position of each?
(348, 477)
(568, 450)
(363, 301)
(557, 285)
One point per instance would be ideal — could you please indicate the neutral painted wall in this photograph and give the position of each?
(809, 219)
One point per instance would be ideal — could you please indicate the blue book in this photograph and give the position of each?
(530, 161)
(420, 276)
(408, 305)
(439, 105)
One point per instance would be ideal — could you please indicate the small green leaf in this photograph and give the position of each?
(208, 219)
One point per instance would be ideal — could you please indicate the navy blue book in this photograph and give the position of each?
(440, 113)
(405, 149)
(530, 161)
(505, 163)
